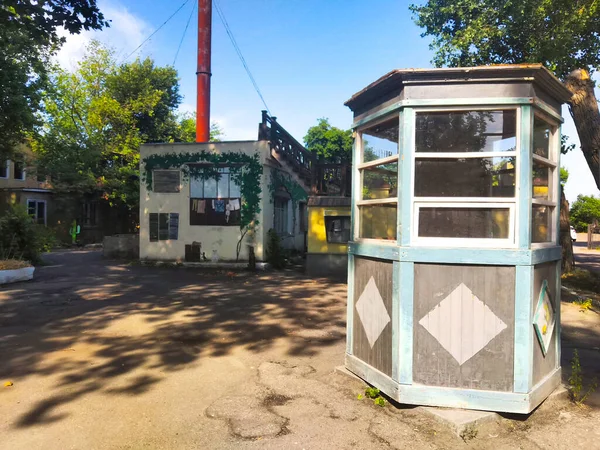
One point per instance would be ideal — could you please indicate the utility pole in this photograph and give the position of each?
(203, 73)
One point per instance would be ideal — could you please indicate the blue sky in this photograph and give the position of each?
(307, 56)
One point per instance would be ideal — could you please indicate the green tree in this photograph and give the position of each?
(96, 119)
(584, 211)
(564, 177)
(328, 142)
(561, 34)
(186, 129)
(28, 38)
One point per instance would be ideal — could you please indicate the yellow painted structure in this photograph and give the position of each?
(317, 234)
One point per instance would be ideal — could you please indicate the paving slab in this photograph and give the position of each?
(460, 421)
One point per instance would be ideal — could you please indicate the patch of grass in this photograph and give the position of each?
(584, 305)
(578, 394)
(469, 432)
(375, 395)
(372, 392)
(13, 264)
(379, 401)
(582, 279)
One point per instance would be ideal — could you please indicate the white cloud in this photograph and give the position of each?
(125, 33)
(235, 127)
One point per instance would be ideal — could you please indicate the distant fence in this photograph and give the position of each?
(593, 236)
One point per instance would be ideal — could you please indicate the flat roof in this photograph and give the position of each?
(397, 79)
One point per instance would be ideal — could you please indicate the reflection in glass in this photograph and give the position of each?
(465, 177)
(380, 181)
(541, 223)
(541, 181)
(378, 221)
(541, 137)
(466, 131)
(223, 186)
(476, 223)
(381, 140)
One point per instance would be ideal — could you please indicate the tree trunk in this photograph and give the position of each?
(565, 235)
(584, 110)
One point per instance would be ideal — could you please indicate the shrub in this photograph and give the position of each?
(12, 264)
(21, 238)
(275, 251)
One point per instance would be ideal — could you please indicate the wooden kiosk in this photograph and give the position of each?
(454, 262)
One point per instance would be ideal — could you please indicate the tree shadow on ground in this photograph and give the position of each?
(129, 317)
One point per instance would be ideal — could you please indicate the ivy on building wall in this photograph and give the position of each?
(245, 170)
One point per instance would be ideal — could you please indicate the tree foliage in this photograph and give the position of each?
(328, 142)
(97, 117)
(561, 34)
(584, 211)
(28, 37)
(187, 129)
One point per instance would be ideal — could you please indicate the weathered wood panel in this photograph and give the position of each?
(543, 365)
(372, 333)
(464, 326)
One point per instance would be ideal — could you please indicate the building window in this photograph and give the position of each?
(4, 168)
(337, 229)
(465, 177)
(280, 215)
(545, 181)
(303, 212)
(164, 226)
(215, 200)
(88, 214)
(19, 170)
(166, 181)
(378, 172)
(37, 211)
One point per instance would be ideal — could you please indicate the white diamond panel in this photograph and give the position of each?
(372, 312)
(462, 324)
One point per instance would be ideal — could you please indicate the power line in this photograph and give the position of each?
(239, 52)
(156, 31)
(184, 31)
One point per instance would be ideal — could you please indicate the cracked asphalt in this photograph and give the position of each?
(108, 355)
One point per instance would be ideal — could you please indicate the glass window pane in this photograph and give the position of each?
(337, 229)
(163, 226)
(378, 221)
(541, 223)
(542, 132)
(380, 181)
(541, 181)
(465, 177)
(196, 184)
(223, 186)
(19, 170)
(477, 223)
(381, 140)
(210, 188)
(234, 188)
(31, 208)
(466, 131)
(41, 212)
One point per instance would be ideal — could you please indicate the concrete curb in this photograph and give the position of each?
(16, 275)
(207, 265)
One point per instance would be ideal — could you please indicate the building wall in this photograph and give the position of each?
(222, 239)
(317, 234)
(30, 181)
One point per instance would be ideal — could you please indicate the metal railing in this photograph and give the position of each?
(324, 178)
